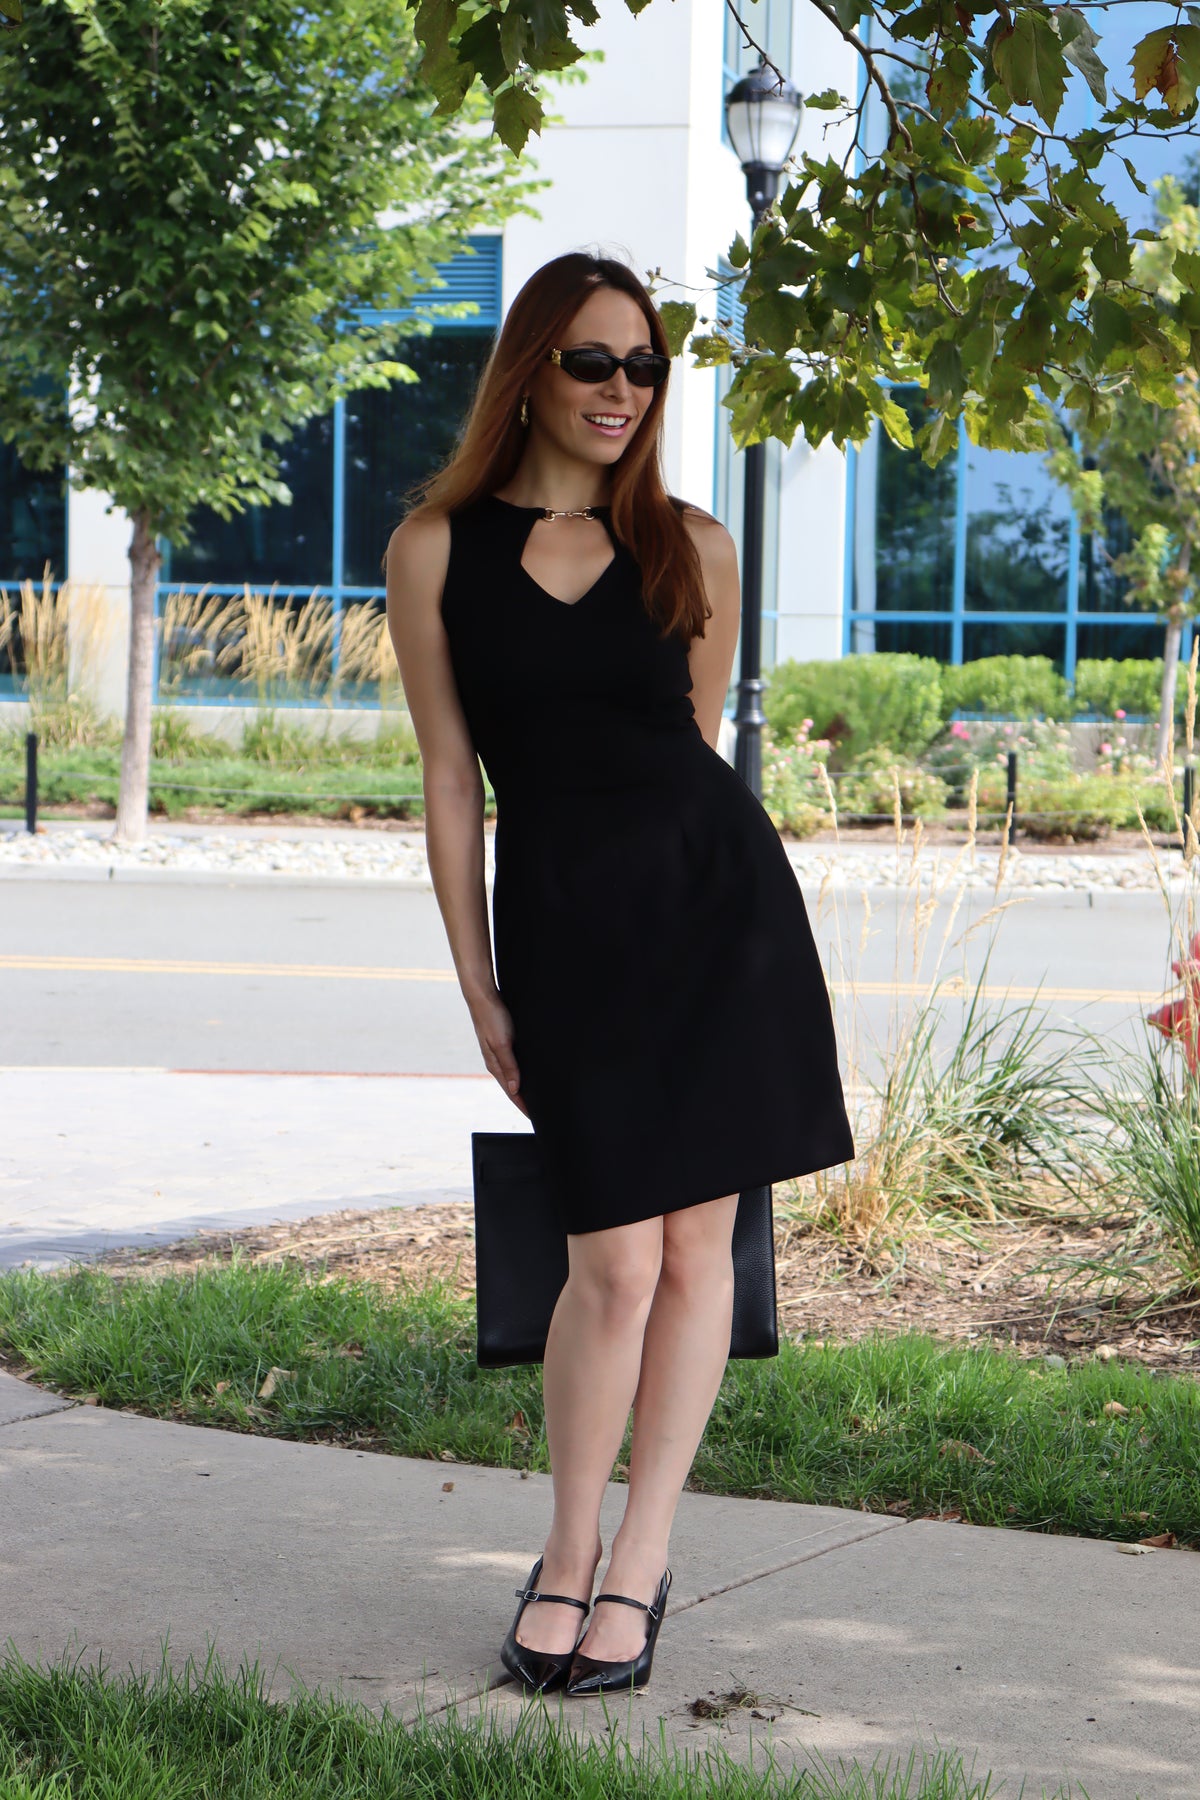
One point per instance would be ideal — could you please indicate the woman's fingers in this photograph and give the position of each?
(507, 1074)
(495, 1031)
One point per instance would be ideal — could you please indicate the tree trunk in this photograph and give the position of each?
(144, 563)
(1166, 711)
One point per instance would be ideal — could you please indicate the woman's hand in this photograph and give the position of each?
(494, 1029)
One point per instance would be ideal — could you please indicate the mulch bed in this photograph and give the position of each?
(1006, 1290)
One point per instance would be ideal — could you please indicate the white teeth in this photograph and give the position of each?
(605, 418)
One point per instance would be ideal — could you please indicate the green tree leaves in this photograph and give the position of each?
(1029, 61)
(973, 248)
(1141, 459)
(190, 238)
(205, 292)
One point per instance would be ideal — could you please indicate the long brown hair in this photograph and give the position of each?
(645, 518)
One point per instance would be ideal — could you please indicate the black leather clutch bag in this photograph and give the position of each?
(521, 1257)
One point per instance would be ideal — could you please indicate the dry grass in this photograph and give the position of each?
(964, 1138)
(54, 636)
(273, 643)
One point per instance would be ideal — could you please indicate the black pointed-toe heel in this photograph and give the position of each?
(588, 1675)
(541, 1671)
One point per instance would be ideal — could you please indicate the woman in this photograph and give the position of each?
(659, 1011)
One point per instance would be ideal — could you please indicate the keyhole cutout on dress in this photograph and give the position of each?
(567, 558)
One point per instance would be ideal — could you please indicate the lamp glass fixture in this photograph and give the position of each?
(763, 119)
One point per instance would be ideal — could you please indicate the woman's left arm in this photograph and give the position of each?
(710, 657)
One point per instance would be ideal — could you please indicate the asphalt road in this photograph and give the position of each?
(355, 978)
(172, 1052)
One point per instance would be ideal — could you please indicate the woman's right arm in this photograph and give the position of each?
(417, 558)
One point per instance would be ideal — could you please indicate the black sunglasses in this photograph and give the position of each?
(645, 368)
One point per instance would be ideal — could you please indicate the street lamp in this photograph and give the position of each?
(762, 116)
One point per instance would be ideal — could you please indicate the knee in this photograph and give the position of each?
(619, 1283)
(697, 1251)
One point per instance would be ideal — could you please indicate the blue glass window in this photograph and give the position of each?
(33, 520)
(33, 533)
(1019, 528)
(349, 474)
(904, 524)
(290, 546)
(396, 436)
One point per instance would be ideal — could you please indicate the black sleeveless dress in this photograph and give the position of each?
(671, 1024)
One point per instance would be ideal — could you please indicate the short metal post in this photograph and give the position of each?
(31, 793)
(1010, 798)
(1189, 801)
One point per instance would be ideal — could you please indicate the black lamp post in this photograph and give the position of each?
(762, 115)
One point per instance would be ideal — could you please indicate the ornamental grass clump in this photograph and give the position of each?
(1153, 1169)
(52, 635)
(986, 1126)
(1148, 1110)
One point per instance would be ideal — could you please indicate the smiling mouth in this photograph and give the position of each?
(612, 423)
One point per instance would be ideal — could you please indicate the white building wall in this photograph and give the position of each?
(813, 496)
(98, 557)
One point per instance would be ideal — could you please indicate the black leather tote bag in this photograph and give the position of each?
(521, 1257)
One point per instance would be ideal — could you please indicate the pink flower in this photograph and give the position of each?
(1106, 749)
(1120, 712)
(959, 730)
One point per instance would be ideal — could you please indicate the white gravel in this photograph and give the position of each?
(399, 858)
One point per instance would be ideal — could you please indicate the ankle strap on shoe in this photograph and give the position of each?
(560, 1599)
(624, 1600)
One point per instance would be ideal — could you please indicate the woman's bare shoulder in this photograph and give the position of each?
(713, 542)
(420, 544)
(418, 551)
(703, 526)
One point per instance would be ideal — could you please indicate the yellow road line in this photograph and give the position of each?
(145, 965)
(1002, 991)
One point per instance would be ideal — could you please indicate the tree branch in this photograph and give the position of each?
(874, 73)
(753, 44)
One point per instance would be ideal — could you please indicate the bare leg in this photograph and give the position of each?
(590, 1373)
(684, 1352)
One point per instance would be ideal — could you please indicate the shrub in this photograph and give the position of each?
(870, 791)
(1072, 807)
(1014, 687)
(859, 703)
(1132, 685)
(953, 760)
(1045, 748)
(793, 793)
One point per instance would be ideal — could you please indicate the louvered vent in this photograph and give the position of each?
(730, 310)
(472, 277)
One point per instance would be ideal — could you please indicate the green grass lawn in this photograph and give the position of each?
(200, 1734)
(1101, 1450)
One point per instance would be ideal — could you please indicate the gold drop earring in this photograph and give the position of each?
(524, 409)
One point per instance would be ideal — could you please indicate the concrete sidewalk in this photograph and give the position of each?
(1044, 1660)
(91, 1158)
